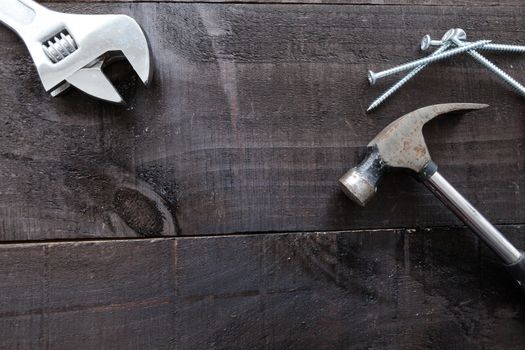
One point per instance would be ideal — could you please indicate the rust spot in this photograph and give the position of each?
(420, 151)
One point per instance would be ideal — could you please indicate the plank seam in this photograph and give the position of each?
(244, 234)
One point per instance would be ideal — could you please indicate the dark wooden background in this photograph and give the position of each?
(206, 213)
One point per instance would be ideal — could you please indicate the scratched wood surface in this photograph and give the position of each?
(386, 289)
(255, 110)
(254, 113)
(358, 2)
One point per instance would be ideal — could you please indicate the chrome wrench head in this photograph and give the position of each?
(71, 49)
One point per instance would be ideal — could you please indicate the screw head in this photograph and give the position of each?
(425, 42)
(461, 34)
(448, 35)
(458, 33)
(372, 77)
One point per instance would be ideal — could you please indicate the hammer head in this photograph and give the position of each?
(399, 145)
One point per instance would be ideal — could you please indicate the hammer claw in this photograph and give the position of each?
(401, 143)
(425, 114)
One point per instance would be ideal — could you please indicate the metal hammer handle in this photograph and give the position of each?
(513, 259)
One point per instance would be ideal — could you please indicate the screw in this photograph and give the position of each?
(405, 79)
(426, 42)
(372, 76)
(457, 32)
(504, 48)
(491, 66)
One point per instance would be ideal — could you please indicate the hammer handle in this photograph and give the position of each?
(513, 259)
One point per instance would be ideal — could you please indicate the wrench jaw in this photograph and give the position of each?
(92, 81)
(98, 40)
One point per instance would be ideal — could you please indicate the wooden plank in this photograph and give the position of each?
(254, 113)
(322, 2)
(66, 295)
(388, 289)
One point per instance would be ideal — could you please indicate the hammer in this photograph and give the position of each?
(401, 145)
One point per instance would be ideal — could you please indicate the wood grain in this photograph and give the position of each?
(254, 113)
(388, 289)
(321, 2)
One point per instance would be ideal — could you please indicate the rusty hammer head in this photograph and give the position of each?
(399, 145)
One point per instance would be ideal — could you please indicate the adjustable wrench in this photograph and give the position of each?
(72, 49)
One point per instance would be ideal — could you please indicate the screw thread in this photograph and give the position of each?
(498, 71)
(430, 59)
(405, 79)
(495, 69)
(504, 48)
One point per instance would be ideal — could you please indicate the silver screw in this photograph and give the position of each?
(504, 48)
(457, 32)
(426, 42)
(405, 79)
(372, 77)
(491, 66)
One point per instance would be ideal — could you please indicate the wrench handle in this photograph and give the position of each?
(513, 259)
(19, 14)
